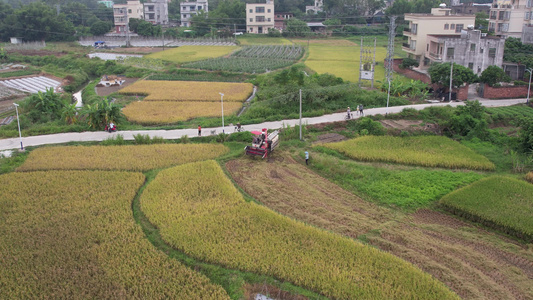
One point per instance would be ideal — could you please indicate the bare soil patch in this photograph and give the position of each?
(105, 91)
(471, 261)
(329, 138)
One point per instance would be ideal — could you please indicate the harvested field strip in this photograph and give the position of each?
(192, 53)
(407, 187)
(132, 158)
(472, 262)
(426, 151)
(500, 202)
(166, 112)
(70, 234)
(200, 212)
(292, 190)
(189, 90)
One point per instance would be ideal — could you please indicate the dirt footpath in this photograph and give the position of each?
(473, 262)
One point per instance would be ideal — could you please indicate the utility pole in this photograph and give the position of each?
(300, 114)
(57, 9)
(127, 27)
(390, 54)
(451, 75)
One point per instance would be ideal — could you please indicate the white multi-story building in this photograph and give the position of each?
(156, 12)
(191, 9)
(122, 14)
(314, 9)
(439, 21)
(508, 18)
(471, 49)
(260, 17)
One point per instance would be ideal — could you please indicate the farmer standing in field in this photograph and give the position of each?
(199, 130)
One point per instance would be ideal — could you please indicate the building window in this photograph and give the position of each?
(268, 10)
(251, 10)
(427, 47)
(472, 47)
(251, 29)
(260, 18)
(184, 16)
(458, 27)
(446, 26)
(278, 16)
(200, 7)
(268, 19)
(251, 19)
(480, 50)
(260, 9)
(493, 15)
(492, 52)
(452, 27)
(129, 11)
(478, 69)
(450, 52)
(527, 15)
(471, 66)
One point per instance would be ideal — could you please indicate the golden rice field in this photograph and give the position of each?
(189, 90)
(426, 151)
(199, 211)
(192, 53)
(129, 157)
(71, 235)
(341, 58)
(166, 112)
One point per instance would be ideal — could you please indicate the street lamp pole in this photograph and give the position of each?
(222, 105)
(18, 122)
(530, 70)
(300, 114)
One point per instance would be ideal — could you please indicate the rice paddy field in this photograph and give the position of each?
(426, 151)
(192, 53)
(341, 58)
(163, 90)
(212, 222)
(501, 202)
(71, 235)
(129, 157)
(169, 112)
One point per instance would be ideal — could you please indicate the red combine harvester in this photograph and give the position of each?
(262, 144)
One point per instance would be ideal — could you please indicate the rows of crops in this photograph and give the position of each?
(189, 90)
(135, 158)
(511, 112)
(501, 202)
(199, 211)
(9, 93)
(426, 151)
(169, 112)
(253, 59)
(71, 235)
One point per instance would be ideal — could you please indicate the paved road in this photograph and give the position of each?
(14, 143)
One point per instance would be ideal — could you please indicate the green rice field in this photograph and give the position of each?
(426, 151)
(501, 202)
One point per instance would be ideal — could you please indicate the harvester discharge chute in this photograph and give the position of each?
(263, 145)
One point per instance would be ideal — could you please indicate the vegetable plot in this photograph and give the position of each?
(199, 211)
(253, 59)
(71, 235)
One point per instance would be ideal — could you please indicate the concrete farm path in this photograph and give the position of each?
(14, 143)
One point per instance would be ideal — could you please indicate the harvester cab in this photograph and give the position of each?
(263, 143)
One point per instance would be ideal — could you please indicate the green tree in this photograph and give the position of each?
(482, 21)
(69, 113)
(100, 28)
(526, 136)
(409, 63)
(296, 27)
(101, 113)
(42, 107)
(493, 75)
(469, 120)
(440, 73)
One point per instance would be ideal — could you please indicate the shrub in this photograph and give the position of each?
(114, 140)
(529, 177)
(409, 63)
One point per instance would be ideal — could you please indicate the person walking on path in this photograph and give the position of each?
(199, 130)
(357, 110)
(360, 107)
(349, 112)
(306, 158)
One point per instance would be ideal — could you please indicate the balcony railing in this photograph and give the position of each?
(406, 45)
(435, 56)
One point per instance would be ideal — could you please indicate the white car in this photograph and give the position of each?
(238, 33)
